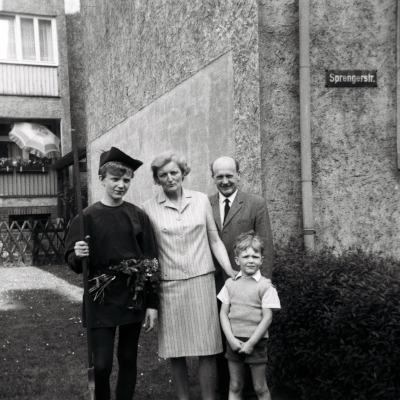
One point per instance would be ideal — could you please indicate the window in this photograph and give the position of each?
(32, 218)
(4, 150)
(27, 39)
(5, 145)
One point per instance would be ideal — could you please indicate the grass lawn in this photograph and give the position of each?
(43, 345)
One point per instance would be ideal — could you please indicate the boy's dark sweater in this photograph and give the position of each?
(116, 234)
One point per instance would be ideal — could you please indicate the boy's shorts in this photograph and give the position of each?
(258, 356)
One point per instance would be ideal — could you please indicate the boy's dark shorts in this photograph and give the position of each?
(258, 356)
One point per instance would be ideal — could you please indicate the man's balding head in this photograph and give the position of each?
(223, 161)
(226, 175)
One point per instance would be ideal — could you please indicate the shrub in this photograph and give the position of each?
(338, 333)
(67, 195)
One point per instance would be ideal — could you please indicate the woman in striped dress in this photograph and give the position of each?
(186, 234)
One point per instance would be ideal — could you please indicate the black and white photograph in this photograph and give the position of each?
(199, 200)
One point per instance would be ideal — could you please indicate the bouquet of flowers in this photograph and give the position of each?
(139, 272)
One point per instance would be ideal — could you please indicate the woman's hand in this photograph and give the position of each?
(81, 248)
(150, 319)
(233, 274)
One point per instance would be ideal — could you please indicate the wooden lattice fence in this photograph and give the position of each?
(32, 243)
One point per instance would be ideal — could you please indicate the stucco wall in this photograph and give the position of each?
(76, 73)
(280, 122)
(195, 118)
(135, 52)
(355, 179)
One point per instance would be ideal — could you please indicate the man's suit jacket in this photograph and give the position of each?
(248, 212)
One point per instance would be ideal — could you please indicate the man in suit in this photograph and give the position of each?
(236, 212)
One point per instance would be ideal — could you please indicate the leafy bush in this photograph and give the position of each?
(338, 333)
(67, 195)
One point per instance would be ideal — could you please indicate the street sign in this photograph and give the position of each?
(350, 78)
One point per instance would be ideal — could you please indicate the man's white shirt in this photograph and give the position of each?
(222, 199)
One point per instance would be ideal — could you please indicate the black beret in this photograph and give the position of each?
(115, 154)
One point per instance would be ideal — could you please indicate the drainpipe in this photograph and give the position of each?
(398, 85)
(305, 135)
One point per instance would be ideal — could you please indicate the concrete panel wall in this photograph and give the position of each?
(195, 118)
(37, 7)
(30, 107)
(135, 52)
(355, 179)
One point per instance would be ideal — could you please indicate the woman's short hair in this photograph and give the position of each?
(165, 158)
(115, 168)
(248, 240)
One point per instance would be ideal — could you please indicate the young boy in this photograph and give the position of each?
(116, 230)
(246, 313)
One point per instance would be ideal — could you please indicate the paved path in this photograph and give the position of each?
(28, 278)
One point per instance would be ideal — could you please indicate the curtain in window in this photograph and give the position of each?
(28, 39)
(7, 35)
(46, 40)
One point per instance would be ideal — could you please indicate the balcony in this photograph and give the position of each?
(28, 80)
(17, 182)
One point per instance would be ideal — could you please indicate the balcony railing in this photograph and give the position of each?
(28, 80)
(27, 183)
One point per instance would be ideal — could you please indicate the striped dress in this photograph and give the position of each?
(188, 315)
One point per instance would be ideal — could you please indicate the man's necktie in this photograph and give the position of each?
(226, 209)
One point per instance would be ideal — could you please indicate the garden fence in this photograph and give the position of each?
(32, 243)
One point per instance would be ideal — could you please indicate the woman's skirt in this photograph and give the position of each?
(188, 318)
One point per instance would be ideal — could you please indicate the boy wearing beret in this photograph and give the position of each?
(116, 231)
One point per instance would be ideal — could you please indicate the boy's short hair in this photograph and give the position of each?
(247, 240)
(115, 168)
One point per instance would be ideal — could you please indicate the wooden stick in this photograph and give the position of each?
(79, 208)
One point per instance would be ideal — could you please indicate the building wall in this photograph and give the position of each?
(280, 115)
(135, 52)
(30, 209)
(76, 72)
(45, 107)
(39, 7)
(36, 194)
(195, 118)
(355, 178)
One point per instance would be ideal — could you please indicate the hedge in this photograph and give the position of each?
(338, 333)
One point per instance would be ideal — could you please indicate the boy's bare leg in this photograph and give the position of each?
(207, 376)
(258, 373)
(180, 377)
(236, 383)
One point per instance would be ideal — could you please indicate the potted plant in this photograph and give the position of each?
(34, 164)
(6, 165)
